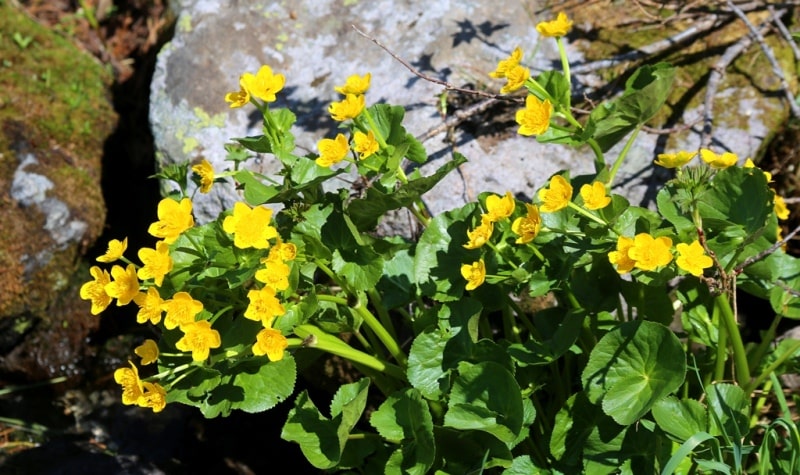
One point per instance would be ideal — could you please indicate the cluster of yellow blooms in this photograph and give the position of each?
(333, 151)
(250, 227)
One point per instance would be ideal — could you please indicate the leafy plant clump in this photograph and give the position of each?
(635, 365)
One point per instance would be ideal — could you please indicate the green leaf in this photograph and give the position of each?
(468, 451)
(485, 397)
(556, 342)
(405, 417)
(361, 268)
(680, 418)
(323, 440)
(255, 191)
(730, 409)
(557, 85)
(265, 383)
(632, 367)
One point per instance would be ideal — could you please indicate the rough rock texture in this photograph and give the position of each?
(314, 44)
(54, 118)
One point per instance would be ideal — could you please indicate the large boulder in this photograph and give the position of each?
(315, 44)
(55, 116)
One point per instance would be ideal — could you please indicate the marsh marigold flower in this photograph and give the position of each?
(557, 196)
(355, 84)
(534, 119)
(505, 65)
(181, 310)
(95, 290)
(527, 227)
(124, 286)
(781, 211)
(349, 108)
(238, 98)
(718, 162)
(282, 251)
(264, 306)
(275, 274)
(475, 274)
(199, 338)
(555, 28)
(332, 151)
(594, 196)
(692, 258)
(749, 164)
(157, 263)
(116, 249)
(674, 160)
(154, 397)
(620, 257)
(150, 306)
(270, 342)
(498, 207)
(128, 378)
(481, 234)
(365, 144)
(173, 219)
(649, 252)
(147, 351)
(250, 226)
(264, 84)
(206, 173)
(516, 77)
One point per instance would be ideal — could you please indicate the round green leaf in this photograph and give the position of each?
(632, 367)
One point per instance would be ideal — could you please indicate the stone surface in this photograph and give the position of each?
(314, 44)
(55, 115)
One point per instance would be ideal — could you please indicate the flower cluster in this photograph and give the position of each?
(263, 85)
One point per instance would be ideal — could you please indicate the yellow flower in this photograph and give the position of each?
(475, 274)
(692, 258)
(173, 219)
(781, 211)
(150, 306)
(157, 263)
(238, 98)
(199, 338)
(534, 119)
(181, 310)
(270, 342)
(147, 351)
(250, 226)
(620, 257)
(507, 64)
(555, 28)
(332, 151)
(275, 274)
(650, 253)
(349, 108)
(125, 285)
(718, 161)
(355, 84)
(674, 160)
(282, 251)
(263, 85)
(365, 144)
(749, 164)
(499, 207)
(128, 378)
(206, 173)
(264, 306)
(594, 196)
(481, 234)
(527, 227)
(95, 290)
(154, 397)
(516, 79)
(557, 196)
(116, 249)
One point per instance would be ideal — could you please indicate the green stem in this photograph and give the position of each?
(774, 366)
(374, 127)
(599, 158)
(722, 349)
(766, 340)
(385, 320)
(589, 215)
(741, 367)
(623, 154)
(564, 63)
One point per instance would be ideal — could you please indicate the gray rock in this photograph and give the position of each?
(314, 44)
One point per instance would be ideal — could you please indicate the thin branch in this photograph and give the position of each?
(458, 116)
(766, 252)
(448, 86)
(776, 67)
(785, 32)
